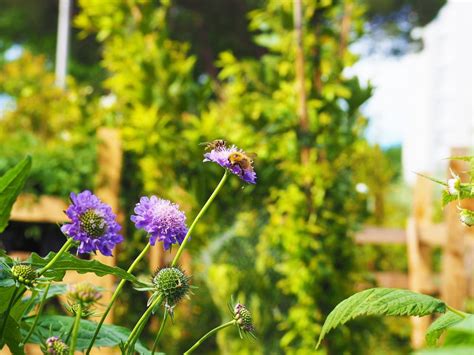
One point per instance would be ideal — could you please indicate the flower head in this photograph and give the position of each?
(243, 317)
(163, 220)
(235, 160)
(93, 224)
(54, 345)
(466, 217)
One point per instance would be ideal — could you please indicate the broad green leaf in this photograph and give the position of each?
(5, 295)
(381, 301)
(11, 185)
(439, 326)
(451, 350)
(70, 262)
(461, 333)
(109, 335)
(13, 336)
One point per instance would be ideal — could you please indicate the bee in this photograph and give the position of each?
(243, 160)
(215, 144)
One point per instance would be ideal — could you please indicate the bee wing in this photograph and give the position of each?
(252, 155)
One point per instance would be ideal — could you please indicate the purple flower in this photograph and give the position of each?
(162, 219)
(235, 160)
(93, 224)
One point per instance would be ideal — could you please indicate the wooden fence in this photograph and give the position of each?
(455, 283)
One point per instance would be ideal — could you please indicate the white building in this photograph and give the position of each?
(439, 80)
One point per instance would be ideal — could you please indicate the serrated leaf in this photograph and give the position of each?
(381, 301)
(69, 262)
(109, 335)
(11, 185)
(439, 326)
(463, 194)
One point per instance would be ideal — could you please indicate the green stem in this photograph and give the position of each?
(454, 310)
(198, 217)
(75, 329)
(7, 313)
(158, 336)
(28, 306)
(115, 295)
(40, 309)
(208, 334)
(137, 329)
(64, 248)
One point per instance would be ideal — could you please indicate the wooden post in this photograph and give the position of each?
(419, 254)
(454, 277)
(109, 161)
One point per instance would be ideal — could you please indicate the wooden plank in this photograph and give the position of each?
(392, 279)
(433, 234)
(47, 209)
(375, 235)
(454, 281)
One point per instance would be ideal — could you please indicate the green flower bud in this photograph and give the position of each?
(55, 346)
(172, 284)
(24, 274)
(84, 293)
(243, 317)
(466, 217)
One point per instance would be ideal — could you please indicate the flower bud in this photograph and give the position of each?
(84, 293)
(454, 185)
(172, 284)
(54, 345)
(24, 274)
(243, 317)
(466, 217)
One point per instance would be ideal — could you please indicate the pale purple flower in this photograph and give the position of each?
(162, 219)
(221, 155)
(93, 224)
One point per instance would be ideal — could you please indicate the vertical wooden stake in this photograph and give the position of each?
(454, 278)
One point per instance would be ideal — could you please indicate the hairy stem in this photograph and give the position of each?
(63, 249)
(75, 330)
(454, 310)
(208, 334)
(158, 336)
(40, 309)
(115, 295)
(198, 217)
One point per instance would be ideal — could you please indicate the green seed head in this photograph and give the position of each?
(243, 317)
(172, 283)
(92, 223)
(24, 274)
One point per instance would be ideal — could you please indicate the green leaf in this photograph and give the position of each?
(69, 262)
(109, 335)
(461, 333)
(439, 326)
(13, 336)
(463, 194)
(381, 301)
(11, 185)
(5, 295)
(451, 350)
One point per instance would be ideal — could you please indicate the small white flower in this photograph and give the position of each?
(454, 185)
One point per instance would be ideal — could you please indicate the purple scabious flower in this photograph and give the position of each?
(162, 219)
(93, 224)
(235, 160)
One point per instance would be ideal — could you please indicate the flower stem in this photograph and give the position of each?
(115, 295)
(75, 329)
(198, 217)
(208, 334)
(158, 336)
(40, 309)
(454, 310)
(63, 249)
(137, 329)
(7, 313)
